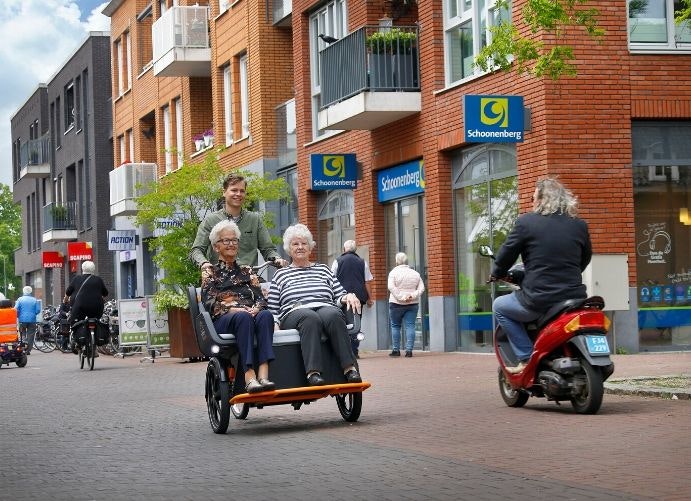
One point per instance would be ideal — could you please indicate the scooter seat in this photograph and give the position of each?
(549, 315)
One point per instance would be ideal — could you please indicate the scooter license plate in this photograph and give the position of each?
(597, 345)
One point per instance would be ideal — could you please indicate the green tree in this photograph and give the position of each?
(531, 55)
(684, 14)
(186, 196)
(10, 239)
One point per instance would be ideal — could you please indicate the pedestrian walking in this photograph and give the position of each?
(354, 274)
(27, 309)
(405, 288)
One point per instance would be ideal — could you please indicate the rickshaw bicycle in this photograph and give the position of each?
(224, 389)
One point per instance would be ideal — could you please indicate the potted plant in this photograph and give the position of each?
(392, 55)
(187, 195)
(198, 141)
(208, 137)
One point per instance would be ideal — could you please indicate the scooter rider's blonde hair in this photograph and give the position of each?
(553, 197)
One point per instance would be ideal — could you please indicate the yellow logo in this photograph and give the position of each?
(494, 111)
(334, 165)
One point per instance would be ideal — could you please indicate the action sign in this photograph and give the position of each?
(493, 119)
(333, 172)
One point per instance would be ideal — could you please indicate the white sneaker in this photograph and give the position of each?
(516, 370)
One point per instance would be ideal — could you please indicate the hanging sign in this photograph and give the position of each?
(80, 251)
(493, 119)
(53, 259)
(119, 240)
(333, 172)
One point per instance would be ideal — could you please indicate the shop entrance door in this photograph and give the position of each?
(405, 232)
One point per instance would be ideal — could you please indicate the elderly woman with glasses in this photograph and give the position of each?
(306, 296)
(235, 301)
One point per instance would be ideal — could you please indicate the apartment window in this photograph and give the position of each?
(228, 103)
(119, 67)
(128, 48)
(77, 103)
(466, 31)
(122, 149)
(178, 131)
(652, 26)
(166, 139)
(244, 97)
(330, 20)
(130, 136)
(70, 112)
(223, 5)
(58, 131)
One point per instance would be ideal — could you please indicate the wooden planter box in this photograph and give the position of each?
(183, 342)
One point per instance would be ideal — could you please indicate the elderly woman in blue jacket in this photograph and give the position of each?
(27, 309)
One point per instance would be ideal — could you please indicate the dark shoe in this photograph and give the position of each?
(408, 353)
(316, 379)
(353, 376)
(395, 353)
(266, 384)
(253, 386)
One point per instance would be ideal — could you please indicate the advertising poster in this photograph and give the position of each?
(133, 322)
(158, 326)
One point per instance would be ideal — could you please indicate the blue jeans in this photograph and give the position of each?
(511, 315)
(403, 315)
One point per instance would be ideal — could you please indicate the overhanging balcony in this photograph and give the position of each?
(127, 183)
(59, 222)
(181, 43)
(370, 78)
(282, 12)
(34, 158)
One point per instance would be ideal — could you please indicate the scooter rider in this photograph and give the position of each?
(554, 245)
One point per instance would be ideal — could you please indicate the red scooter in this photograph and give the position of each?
(570, 359)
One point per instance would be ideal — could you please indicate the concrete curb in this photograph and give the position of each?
(638, 386)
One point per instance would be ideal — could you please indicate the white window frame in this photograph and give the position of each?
(130, 135)
(472, 13)
(178, 131)
(244, 96)
(331, 19)
(673, 44)
(123, 150)
(228, 103)
(128, 49)
(120, 76)
(166, 139)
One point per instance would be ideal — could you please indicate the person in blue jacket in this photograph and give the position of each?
(27, 309)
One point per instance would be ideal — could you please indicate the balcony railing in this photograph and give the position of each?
(181, 42)
(60, 216)
(34, 157)
(286, 140)
(372, 58)
(282, 9)
(127, 183)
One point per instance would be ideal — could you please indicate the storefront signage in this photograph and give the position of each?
(401, 181)
(163, 226)
(53, 259)
(493, 119)
(333, 172)
(119, 240)
(80, 251)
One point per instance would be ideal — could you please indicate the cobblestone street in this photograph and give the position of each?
(432, 427)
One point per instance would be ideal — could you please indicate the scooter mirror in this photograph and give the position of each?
(486, 251)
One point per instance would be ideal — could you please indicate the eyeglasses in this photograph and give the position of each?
(131, 323)
(160, 322)
(228, 241)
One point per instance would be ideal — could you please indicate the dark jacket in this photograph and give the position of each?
(86, 301)
(351, 274)
(555, 250)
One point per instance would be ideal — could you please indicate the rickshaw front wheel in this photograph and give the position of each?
(240, 411)
(350, 405)
(217, 393)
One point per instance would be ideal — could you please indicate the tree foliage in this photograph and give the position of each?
(533, 56)
(10, 238)
(185, 197)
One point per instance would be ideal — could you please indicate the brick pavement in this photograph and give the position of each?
(432, 427)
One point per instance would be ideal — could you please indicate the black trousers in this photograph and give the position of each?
(312, 324)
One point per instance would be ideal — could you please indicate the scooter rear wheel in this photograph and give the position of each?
(512, 398)
(589, 399)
